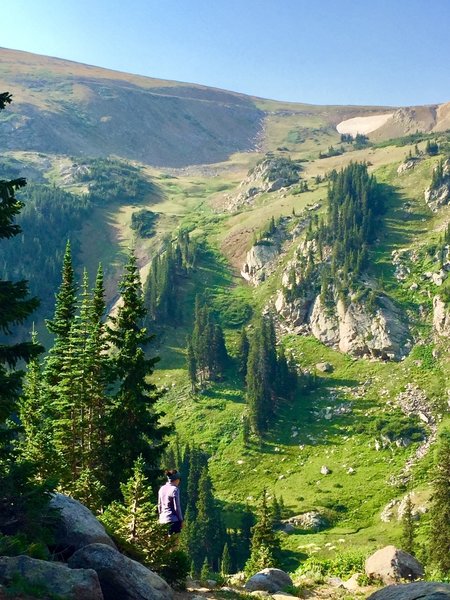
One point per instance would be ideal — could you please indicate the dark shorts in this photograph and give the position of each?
(175, 527)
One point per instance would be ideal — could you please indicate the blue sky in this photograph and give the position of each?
(387, 52)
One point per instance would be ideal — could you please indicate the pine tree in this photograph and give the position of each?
(59, 326)
(243, 350)
(265, 546)
(134, 519)
(439, 542)
(21, 499)
(205, 570)
(225, 562)
(191, 365)
(133, 422)
(408, 533)
(209, 529)
(36, 442)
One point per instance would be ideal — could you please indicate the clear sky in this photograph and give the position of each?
(387, 52)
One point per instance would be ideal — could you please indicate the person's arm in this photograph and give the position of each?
(159, 503)
(177, 504)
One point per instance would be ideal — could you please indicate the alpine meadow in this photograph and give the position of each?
(253, 293)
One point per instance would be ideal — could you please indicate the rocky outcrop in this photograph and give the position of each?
(391, 565)
(309, 521)
(259, 260)
(350, 328)
(120, 577)
(76, 526)
(52, 579)
(272, 174)
(439, 195)
(441, 317)
(422, 590)
(408, 164)
(268, 580)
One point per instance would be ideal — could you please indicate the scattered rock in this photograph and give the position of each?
(268, 580)
(121, 577)
(352, 584)
(422, 590)
(324, 367)
(309, 521)
(391, 565)
(76, 526)
(56, 579)
(325, 470)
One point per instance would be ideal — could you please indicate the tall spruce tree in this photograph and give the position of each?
(18, 497)
(439, 543)
(36, 442)
(133, 421)
(210, 534)
(134, 519)
(60, 325)
(265, 545)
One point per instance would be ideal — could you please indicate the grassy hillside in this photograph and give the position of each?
(336, 421)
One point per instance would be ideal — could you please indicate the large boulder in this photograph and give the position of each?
(268, 580)
(76, 526)
(51, 578)
(423, 590)
(121, 578)
(392, 565)
(441, 317)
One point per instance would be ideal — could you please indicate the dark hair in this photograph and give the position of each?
(172, 474)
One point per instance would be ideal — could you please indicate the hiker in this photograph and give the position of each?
(169, 507)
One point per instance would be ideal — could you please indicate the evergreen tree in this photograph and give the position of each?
(205, 570)
(134, 519)
(265, 546)
(60, 325)
(439, 543)
(209, 528)
(225, 562)
(243, 350)
(133, 422)
(21, 499)
(191, 365)
(36, 442)
(408, 532)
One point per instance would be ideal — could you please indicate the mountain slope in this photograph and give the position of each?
(360, 419)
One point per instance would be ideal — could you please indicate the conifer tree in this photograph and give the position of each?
(439, 543)
(134, 519)
(36, 442)
(209, 528)
(205, 570)
(225, 562)
(243, 350)
(265, 546)
(59, 326)
(191, 365)
(408, 529)
(133, 422)
(20, 496)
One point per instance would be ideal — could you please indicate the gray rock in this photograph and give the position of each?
(423, 590)
(77, 527)
(391, 565)
(51, 577)
(309, 521)
(120, 577)
(268, 580)
(324, 367)
(441, 317)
